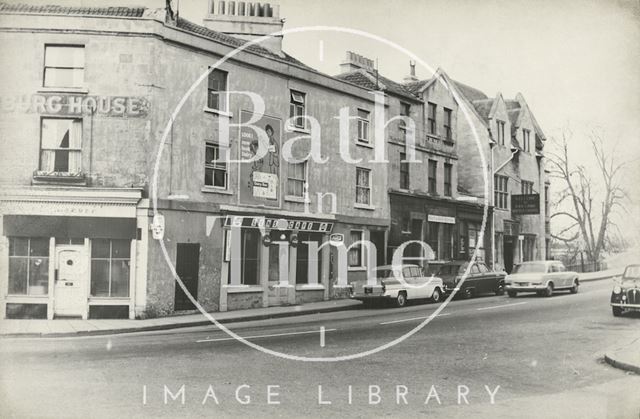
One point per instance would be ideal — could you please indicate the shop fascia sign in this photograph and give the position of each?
(76, 105)
(277, 224)
(432, 218)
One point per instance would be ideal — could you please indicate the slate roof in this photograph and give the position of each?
(415, 86)
(469, 92)
(367, 80)
(235, 42)
(62, 10)
(483, 106)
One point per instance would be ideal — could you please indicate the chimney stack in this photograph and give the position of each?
(355, 62)
(412, 73)
(246, 20)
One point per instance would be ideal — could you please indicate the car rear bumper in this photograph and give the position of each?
(525, 288)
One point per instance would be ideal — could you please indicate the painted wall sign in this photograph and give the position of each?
(525, 204)
(277, 223)
(76, 105)
(260, 179)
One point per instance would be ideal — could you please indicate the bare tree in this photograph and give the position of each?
(590, 203)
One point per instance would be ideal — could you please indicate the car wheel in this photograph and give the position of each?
(512, 294)
(617, 311)
(500, 289)
(548, 292)
(435, 297)
(574, 289)
(401, 299)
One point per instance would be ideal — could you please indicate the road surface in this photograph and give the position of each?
(545, 354)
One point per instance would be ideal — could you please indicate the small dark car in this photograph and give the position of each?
(481, 279)
(626, 292)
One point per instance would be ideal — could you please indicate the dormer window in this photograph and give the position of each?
(500, 131)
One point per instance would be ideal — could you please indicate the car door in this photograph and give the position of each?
(485, 279)
(566, 277)
(409, 283)
(425, 283)
(472, 279)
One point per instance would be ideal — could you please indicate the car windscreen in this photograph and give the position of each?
(632, 272)
(530, 268)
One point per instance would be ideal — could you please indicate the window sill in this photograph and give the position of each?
(448, 142)
(309, 287)
(218, 112)
(237, 289)
(291, 128)
(17, 298)
(363, 144)
(298, 199)
(62, 178)
(211, 189)
(364, 207)
(77, 90)
(109, 301)
(357, 268)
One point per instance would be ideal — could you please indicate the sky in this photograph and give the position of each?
(577, 62)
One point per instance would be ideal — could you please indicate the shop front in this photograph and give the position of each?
(273, 260)
(69, 253)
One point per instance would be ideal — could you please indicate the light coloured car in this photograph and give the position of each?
(406, 282)
(542, 277)
(626, 292)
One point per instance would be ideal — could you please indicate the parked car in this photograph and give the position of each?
(407, 282)
(542, 277)
(626, 292)
(480, 280)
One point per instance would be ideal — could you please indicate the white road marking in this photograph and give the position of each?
(500, 306)
(413, 318)
(307, 332)
(322, 330)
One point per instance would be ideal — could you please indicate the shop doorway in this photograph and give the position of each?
(507, 251)
(278, 271)
(377, 238)
(70, 281)
(187, 266)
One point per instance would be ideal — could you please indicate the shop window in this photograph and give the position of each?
(217, 90)
(296, 178)
(448, 169)
(61, 145)
(110, 264)
(432, 177)
(356, 250)
(216, 173)
(446, 250)
(527, 187)
(431, 118)
(363, 126)
(448, 132)
(28, 266)
(64, 66)
(432, 238)
(404, 172)
(304, 259)
(501, 193)
(297, 109)
(363, 186)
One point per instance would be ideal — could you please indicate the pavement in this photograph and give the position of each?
(625, 355)
(545, 354)
(78, 327)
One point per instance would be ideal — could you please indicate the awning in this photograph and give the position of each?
(69, 227)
